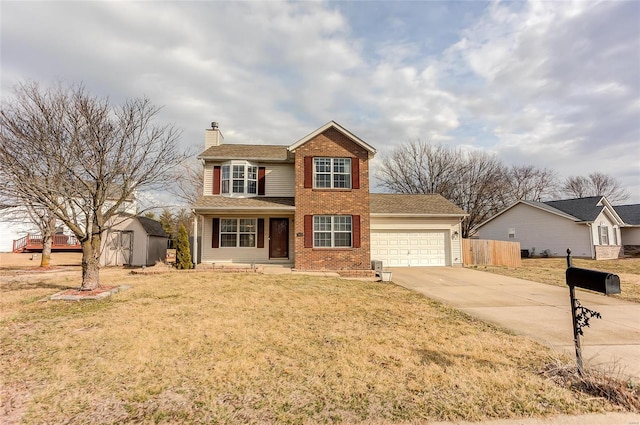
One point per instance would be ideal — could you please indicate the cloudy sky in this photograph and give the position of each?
(555, 84)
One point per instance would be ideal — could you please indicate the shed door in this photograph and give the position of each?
(403, 249)
(119, 248)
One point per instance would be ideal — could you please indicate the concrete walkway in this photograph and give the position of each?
(539, 311)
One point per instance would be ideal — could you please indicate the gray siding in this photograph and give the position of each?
(542, 230)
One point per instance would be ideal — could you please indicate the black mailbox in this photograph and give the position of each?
(594, 280)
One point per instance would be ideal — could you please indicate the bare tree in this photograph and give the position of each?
(471, 180)
(529, 183)
(188, 181)
(477, 188)
(596, 184)
(419, 167)
(83, 158)
(23, 212)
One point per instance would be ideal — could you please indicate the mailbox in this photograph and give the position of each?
(594, 280)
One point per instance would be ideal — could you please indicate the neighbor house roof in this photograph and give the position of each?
(248, 152)
(228, 203)
(413, 205)
(581, 210)
(341, 129)
(584, 209)
(152, 227)
(549, 208)
(630, 214)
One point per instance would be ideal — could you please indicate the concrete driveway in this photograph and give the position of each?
(540, 311)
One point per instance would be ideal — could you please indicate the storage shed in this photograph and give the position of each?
(134, 241)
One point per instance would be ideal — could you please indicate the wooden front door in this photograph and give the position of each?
(279, 238)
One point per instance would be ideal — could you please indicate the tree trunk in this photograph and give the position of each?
(47, 240)
(90, 264)
(48, 232)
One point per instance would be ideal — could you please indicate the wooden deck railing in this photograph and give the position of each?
(34, 243)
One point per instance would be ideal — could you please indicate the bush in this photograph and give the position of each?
(183, 249)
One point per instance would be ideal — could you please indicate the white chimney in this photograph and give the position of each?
(213, 136)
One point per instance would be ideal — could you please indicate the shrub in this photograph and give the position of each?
(183, 249)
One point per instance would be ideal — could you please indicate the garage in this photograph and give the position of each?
(402, 249)
(415, 230)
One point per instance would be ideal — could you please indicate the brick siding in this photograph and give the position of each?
(608, 252)
(309, 201)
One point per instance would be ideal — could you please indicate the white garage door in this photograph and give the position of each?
(398, 249)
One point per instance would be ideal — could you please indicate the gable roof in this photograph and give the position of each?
(630, 214)
(247, 152)
(581, 210)
(413, 205)
(584, 209)
(545, 207)
(341, 129)
(152, 227)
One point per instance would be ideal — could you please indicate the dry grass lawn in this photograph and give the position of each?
(250, 348)
(552, 271)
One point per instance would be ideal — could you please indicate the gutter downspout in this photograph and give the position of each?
(593, 253)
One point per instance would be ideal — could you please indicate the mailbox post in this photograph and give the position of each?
(594, 280)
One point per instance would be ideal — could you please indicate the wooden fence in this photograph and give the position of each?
(479, 252)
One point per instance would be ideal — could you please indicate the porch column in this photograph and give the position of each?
(195, 239)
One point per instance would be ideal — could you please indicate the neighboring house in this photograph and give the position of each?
(133, 241)
(308, 205)
(13, 225)
(630, 232)
(590, 227)
(11, 231)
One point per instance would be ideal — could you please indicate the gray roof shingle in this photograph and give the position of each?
(630, 214)
(261, 152)
(264, 202)
(431, 204)
(584, 209)
(152, 227)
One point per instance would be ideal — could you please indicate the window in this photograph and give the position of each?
(238, 232)
(332, 173)
(240, 179)
(603, 232)
(225, 179)
(512, 233)
(615, 235)
(332, 231)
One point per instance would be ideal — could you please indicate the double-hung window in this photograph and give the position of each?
(332, 231)
(239, 179)
(238, 232)
(604, 234)
(332, 173)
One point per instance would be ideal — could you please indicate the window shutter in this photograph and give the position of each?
(308, 231)
(355, 173)
(261, 233)
(216, 180)
(308, 172)
(355, 223)
(215, 236)
(261, 180)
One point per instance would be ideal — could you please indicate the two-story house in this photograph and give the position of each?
(308, 205)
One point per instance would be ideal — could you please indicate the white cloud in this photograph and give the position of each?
(554, 83)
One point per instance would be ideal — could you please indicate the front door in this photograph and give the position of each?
(279, 238)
